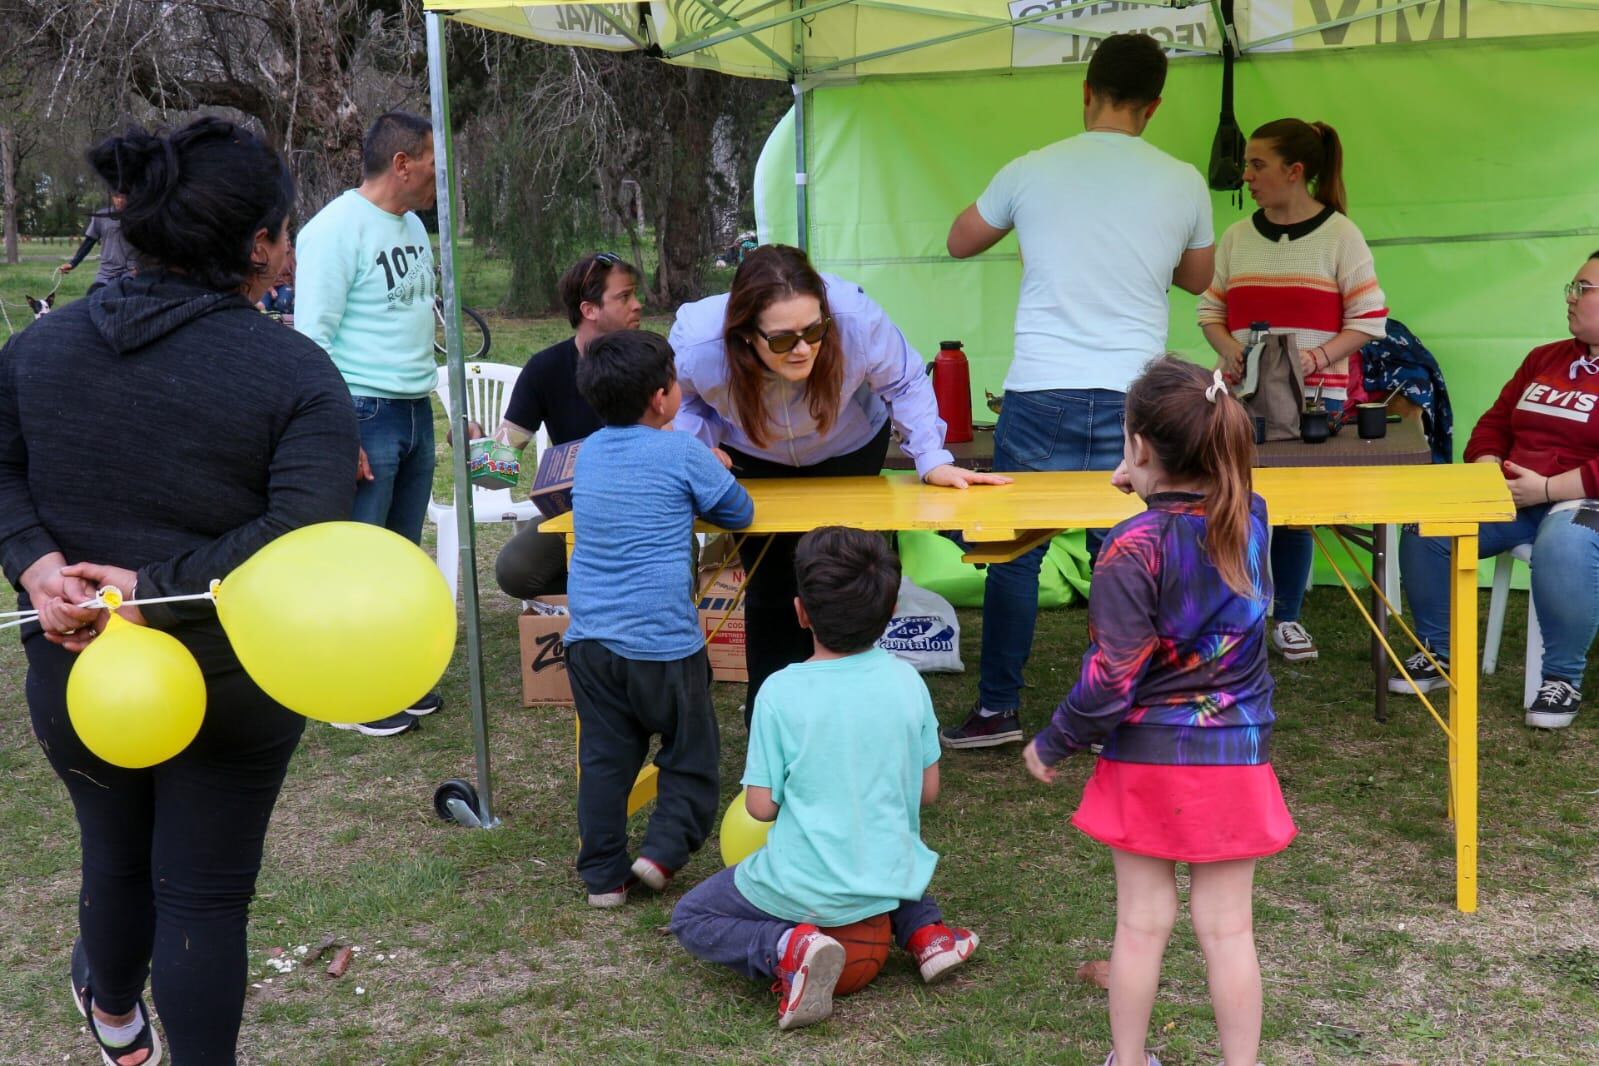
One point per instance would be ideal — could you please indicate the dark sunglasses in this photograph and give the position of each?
(782, 343)
(610, 259)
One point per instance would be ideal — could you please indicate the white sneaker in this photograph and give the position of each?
(1292, 642)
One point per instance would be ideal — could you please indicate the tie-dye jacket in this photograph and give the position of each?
(1175, 670)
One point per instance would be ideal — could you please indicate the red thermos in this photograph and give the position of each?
(952, 384)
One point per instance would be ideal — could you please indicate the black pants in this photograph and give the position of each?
(532, 564)
(171, 853)
(773, 637)
(621, 704)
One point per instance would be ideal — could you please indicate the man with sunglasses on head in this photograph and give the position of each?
(600, 293)
(1106, 223)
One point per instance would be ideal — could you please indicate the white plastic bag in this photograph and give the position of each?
(924, 631)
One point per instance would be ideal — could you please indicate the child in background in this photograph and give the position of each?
(1174, 685)
(843, 754)
(634, 650)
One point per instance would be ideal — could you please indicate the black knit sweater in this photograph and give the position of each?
(168, 429)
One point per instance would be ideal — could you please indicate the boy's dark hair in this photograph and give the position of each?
(622, 370)
(198, 197)
(1128, 69)
(848, 581)
(585, 281)
(391, 133)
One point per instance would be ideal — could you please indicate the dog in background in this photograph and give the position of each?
(42, 307)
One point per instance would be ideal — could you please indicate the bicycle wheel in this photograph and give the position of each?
(474, 334)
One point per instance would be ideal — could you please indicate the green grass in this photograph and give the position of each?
(490, 954)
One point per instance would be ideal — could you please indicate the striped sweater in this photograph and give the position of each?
(1313, 279)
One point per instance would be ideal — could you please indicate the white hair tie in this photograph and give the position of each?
(1217, 388)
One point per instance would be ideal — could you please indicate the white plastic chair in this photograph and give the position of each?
(488, 390)
(1496, 623)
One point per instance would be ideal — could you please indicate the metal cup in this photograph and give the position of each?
(1371, 420)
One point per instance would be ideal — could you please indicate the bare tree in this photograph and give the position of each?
(292, 65)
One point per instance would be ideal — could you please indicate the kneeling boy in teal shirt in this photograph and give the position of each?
(843, 753)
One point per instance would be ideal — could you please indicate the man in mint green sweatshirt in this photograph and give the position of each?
(365, 293)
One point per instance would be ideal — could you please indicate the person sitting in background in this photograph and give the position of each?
(1543, 433)
(600, 293)
(117, 259)
(635, 651)
(843, 756)
(278, 301)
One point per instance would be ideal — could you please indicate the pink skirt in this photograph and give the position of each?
(1186, 813)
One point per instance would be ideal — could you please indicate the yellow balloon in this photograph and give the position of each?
(135, 695)
(742, 836)
(342, 621)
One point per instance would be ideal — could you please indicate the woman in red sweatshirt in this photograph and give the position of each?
(1543, 431)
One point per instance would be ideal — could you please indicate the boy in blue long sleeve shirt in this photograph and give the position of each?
(634, 650)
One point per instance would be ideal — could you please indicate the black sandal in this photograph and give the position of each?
(147, 1041)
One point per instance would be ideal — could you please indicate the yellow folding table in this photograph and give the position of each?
(1002, 522)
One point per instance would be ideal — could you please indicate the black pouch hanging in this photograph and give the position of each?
(1226, 173)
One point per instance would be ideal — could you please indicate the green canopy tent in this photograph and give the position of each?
(1469, 127)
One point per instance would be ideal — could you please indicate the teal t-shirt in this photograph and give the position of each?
(842, 744)
(363, 286)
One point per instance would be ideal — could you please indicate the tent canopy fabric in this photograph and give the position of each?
(819, 42)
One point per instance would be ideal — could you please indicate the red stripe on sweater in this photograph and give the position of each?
(1285, 308)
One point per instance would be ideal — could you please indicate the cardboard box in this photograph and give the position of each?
(543, 631)
(552, 484)
(726, 649)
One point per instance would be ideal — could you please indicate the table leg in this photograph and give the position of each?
(1463, 717)
(1379, 614)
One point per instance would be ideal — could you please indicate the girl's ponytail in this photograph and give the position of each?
(1228, 459)
(1330, 176)
(1199, 430)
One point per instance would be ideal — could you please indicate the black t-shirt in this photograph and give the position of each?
(546, 394)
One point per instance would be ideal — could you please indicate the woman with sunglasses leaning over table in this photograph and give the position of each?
(1543, 433)
(798, 374)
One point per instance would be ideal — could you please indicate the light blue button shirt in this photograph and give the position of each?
(884, 378)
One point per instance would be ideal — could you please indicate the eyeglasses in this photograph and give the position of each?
(1576, 290)
(784, 342)
(610, 259)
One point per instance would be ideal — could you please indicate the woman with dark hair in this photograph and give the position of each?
(244, 433)
(798, 374)
(1301, 266)
(1543, 435)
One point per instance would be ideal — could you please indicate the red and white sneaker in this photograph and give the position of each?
(805, 977)
(938, 949)
(651, 874)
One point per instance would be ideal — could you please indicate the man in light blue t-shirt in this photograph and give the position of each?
(364, 291)
(1106, 223)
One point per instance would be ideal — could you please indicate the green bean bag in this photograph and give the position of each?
(934, 562)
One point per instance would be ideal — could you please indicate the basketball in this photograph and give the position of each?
(866, 945)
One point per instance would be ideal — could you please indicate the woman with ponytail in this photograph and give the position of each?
(1174, 686)
(1301, 266)
(243, 432)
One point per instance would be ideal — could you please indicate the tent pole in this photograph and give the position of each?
(801, 177)
(444, 175)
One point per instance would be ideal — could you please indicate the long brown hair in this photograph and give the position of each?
(1203, 440)
(771, 273)
(1316, 145)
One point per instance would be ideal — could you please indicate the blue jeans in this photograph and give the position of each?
(1565, 581)
(1293, 550)
(716, 923)
(398, 438)
(1055, 429)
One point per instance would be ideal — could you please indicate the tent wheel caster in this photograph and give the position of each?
(456, 801)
